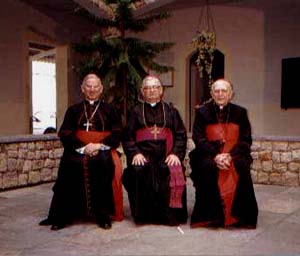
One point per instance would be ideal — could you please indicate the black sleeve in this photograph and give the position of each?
(179, 135)
(243, 146)
(204, 148)
(128, 142)
(241, 152)
(67, 131)
(115, 127)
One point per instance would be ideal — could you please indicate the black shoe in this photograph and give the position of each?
(215, 225)
(104, 223)
(172, 222)
(138, 221)
(45, 222)
(56, 227)
(241, 225)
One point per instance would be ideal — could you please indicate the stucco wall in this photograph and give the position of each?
(16, 20)
(19, 25)
(253, 43)
(282, 35)
(241, 42)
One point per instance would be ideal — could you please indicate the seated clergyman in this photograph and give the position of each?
(87, 184)
(155, 145)
(221, 163)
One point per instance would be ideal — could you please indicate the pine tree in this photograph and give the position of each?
(121, 61)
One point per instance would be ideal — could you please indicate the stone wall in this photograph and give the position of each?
(30, 160)
(276, 160)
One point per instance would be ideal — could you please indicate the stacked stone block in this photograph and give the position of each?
(275, 162)
(31, 160)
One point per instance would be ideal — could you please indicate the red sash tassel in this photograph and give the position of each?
(227, 181)
(177, 181)
(96, 137)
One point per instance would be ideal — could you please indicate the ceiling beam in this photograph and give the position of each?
(152, 6)
(92, 8)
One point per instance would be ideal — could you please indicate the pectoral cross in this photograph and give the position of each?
(155, 131)
(87, 124)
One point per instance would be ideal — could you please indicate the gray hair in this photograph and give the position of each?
(91, 75)
(222, 79)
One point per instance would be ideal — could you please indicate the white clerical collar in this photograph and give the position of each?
(92, 102)
(152, 104)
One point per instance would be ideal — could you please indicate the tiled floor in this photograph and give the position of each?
(278, 231)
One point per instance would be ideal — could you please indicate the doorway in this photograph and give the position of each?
(43, 88)
(199, 91)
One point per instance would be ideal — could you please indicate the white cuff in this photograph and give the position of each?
(80, 150)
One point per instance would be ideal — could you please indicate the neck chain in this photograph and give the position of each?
(155, 130)
(88, 119)
(223, 125)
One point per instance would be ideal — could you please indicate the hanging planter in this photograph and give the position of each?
(205, 42)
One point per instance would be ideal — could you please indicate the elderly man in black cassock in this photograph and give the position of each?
(89, 175)
(221, 163)
(155, 145)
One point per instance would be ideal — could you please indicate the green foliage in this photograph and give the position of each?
(122, 62)
(205, 43)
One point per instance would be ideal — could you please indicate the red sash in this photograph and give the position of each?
(177, 181)
(228, 179)
(96, 137)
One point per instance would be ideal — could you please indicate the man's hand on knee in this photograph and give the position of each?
(172, 160)
(139, 159)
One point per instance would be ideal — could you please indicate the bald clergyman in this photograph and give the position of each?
(221, 163)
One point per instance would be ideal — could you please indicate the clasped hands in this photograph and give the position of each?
(223, 161)
(171, 160)
(92, 149)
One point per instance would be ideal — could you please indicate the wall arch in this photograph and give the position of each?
(198, 87)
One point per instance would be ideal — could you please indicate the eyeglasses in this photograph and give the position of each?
(90, 87)
(154, 87)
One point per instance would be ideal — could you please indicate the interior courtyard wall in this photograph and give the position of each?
(13, 97)
(253, 49)
(20, 24)
(282, 41)
(241, 42)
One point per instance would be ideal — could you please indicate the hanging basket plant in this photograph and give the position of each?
(205, 43)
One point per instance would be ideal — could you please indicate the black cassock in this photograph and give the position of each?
(69, 201)
(209, 206)
(148, 186)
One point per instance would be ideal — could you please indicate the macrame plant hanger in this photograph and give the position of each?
(205, 41)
